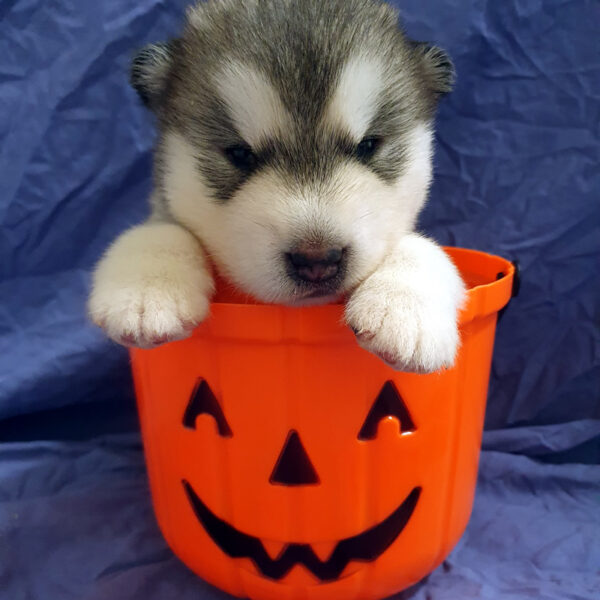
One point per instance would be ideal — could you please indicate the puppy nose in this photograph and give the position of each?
(316, 265)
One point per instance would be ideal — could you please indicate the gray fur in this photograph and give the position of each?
(301, 46)
(150, 70)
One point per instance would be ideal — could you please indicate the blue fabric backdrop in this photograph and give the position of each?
(517, 173)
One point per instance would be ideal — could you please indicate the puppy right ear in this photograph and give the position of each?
(150, 71)
(437, 67)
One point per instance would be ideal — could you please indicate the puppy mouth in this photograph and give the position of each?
(320, 292)
(324, 291)
(367, 546)
(315, 296)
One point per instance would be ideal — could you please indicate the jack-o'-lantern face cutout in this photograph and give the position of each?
(286, 462)
(293, 468)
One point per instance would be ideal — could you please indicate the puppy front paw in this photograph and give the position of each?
(147, 313)
(407, 329)
(151, 287)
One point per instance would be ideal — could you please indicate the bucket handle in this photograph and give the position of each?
(516, 284)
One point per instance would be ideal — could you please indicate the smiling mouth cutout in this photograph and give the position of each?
(365, 547)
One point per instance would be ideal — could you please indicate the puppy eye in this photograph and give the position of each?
(241, 157)
(367, 148)
(203, 402)
(388, 403)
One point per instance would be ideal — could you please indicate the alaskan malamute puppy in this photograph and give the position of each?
(294, 151)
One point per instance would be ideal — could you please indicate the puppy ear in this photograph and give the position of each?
(150, 70)
(437, 67)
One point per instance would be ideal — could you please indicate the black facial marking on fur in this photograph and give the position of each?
(301, 49)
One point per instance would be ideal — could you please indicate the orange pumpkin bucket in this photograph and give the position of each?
(286, 463)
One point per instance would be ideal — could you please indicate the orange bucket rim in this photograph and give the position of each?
(482, 298)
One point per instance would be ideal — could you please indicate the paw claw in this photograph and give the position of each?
(127, 339)
(388, 357)
(365, 336)
(189, 325)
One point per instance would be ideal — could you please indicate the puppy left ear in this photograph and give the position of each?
(437, 67)
(150, 70)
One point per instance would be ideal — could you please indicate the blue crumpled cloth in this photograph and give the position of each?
(516, 174)
(76, 523)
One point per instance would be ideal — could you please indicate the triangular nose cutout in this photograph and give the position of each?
(293, 465)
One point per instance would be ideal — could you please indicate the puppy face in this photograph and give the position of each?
(296, 139)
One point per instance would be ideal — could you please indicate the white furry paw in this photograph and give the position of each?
(409, 319)
(151, 287)
(401, 329)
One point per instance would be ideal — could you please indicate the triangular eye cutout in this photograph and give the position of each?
(203, 402)
(293, 466)
(389, 403)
